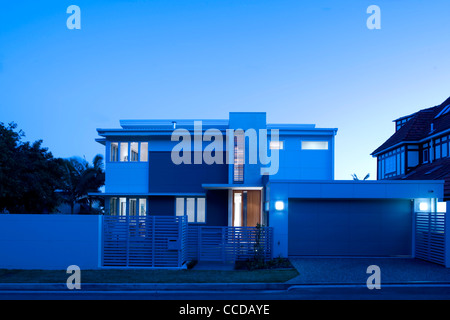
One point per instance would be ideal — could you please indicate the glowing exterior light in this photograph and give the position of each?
(279, 205)
(423, 206)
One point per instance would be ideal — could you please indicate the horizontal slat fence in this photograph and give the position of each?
(228, 244)
(430, 236)
(144, 241)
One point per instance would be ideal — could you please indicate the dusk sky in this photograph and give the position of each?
(301, 62)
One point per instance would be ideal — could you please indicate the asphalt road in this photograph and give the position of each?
(416, 292)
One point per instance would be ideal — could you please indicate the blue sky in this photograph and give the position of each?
(301, 62)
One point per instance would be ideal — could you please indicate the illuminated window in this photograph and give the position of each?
(276, 145)
(144, 152)
(314, 145)
(124, 151)
(134, 151)
(193, 208)
(114, 151)
(142, 207)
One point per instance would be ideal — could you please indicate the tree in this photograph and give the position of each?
(80, 178)
(355, 177)
(29, 175)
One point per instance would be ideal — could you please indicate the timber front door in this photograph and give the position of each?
(246, 208)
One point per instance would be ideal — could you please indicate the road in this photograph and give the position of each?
(416, 292)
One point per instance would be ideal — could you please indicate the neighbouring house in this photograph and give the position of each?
(419, 148)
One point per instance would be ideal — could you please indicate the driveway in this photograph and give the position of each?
(353, 271)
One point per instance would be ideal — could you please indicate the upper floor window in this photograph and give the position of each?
(425, 153)
(128, 151)
(441, 147)
(239, 157)
(123, 151)
(276, 145)
(114, 151)
(314, 145)
(399, 123)
(392, 163)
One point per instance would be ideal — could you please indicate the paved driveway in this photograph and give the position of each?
(353, 270)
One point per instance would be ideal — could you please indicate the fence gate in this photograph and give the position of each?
(144, 241)
(430, 236)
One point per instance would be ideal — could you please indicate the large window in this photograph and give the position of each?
(118, 206)
(193, 208)
(392, 163)
(128, 151)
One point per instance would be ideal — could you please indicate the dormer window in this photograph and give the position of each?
(401, 122)
(445, 110)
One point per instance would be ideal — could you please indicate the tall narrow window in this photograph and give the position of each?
(134, 151)
(142, 207)
(123, 206)
(190, 209)
(124, 151)
(239, 157)
(179, 207)
(132, 207)
(426, 153)
(113, 206)
(144, 151)
(114, 151)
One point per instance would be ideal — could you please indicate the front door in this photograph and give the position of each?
(246, 208)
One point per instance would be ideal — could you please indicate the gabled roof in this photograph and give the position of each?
(419, 127)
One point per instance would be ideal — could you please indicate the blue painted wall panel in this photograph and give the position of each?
(49, 241)
(166, 177)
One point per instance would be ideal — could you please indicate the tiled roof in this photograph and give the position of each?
(419, 127)
(437, 170)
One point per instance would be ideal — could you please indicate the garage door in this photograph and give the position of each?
(350, 228)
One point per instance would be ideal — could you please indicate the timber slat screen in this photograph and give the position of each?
(430, 236)
(228, 244)
(144, 241)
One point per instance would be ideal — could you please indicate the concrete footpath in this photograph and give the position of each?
(146, 286)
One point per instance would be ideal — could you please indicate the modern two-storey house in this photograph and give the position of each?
(210, 170)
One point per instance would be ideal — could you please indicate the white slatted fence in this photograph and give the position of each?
(430, 236)
(144, 241)
(228, 244)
